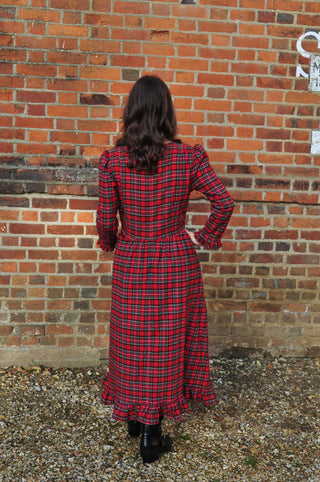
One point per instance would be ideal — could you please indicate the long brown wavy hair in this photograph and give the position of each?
(149, 122)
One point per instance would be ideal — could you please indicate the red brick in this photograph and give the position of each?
(14, 56)
(220, 3)
(66, 229)
(37, 305)
(42, 15)
(136, 34)
(215, 79)
(216, 143)
(128, 61)
(207, 130)
(187, 25)
(36, 148)
(303, 259)
(39, 123)
(244, 15)
(9, 267)
(66, 341)
(66, 243)
(184, 64)
(36, 70)
(78, 255)
(28, 241)
(245, 145)
(102, 341)
(245, 55)
(212, 53)
(272, 83)
(6, 40)
(101, 5)
(73, 138)
(66, 58)
(103, 19)
(157, 23)
(47, 267)
(9, 215)
(30, 341)
(83, 280)
(43, 254)
(160, 9)
(186, 51)
(72, 17)
(67, 111)
(192, 38)
(247, 119)
(59, 330)
(248, 42)
(273, 134)
(78, 5)
(184, 77)
(264, 306)
(192, 117)
(224, 27)
(131, 7)
(186, 91)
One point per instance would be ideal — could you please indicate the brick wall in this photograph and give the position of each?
(231, 67)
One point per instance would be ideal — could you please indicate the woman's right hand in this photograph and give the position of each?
(193, 238)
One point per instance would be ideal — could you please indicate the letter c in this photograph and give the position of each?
(300, 49)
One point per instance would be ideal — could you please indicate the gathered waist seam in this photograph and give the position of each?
(128, 237)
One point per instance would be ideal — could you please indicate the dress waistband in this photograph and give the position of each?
(166, 237)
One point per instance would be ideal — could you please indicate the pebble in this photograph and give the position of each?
(264, 428)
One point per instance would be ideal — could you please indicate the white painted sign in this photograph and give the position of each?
(299, 71)
(314, 74)
(314, 79)
(315, 142)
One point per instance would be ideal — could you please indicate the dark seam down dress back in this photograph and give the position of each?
(158, 353)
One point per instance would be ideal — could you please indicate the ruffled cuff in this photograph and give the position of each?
(107, 247)
(214, 243)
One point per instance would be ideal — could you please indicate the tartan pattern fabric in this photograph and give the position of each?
(158, 353)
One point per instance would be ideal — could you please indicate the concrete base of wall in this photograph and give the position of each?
(221, 349)
(57, 357)
(75, 357)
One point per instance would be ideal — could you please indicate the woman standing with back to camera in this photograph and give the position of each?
(158, 353)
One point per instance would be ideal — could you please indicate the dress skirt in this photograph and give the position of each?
(158, 356)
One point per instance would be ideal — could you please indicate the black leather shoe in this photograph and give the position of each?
(134, 428)
(153, 443)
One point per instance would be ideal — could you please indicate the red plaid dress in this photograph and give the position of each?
(158, 353)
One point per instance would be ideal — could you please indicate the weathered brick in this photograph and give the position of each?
(59, 330)
(93, 99)
(252, 115)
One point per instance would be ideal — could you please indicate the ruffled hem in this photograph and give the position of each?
(150, 414)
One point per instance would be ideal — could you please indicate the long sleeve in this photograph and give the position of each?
(107, 222)
(204, 179)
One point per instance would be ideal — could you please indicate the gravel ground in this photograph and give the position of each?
(265, 427)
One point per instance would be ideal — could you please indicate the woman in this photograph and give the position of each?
(158, 354)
